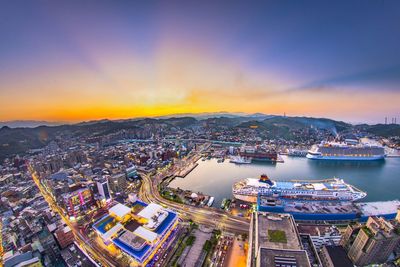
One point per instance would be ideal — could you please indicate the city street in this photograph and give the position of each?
(98, 254)
(202, 215)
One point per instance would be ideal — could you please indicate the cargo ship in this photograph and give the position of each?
(329, 190)
(348, 150)
(258, 153)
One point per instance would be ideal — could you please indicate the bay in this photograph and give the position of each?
(380, 179)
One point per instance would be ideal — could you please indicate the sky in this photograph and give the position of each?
(85, 60)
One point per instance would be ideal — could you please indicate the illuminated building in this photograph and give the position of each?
(78, 201)
(117, 182)
(131, 172)
(137, 230)
(103, 189)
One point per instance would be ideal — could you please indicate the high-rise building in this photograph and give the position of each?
(334, 256)
(104, 189)
(78, 201)
(374, 242)
(117, 182)
(349, 235)
(320, 234)
(275, 241)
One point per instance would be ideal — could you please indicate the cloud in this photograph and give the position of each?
(386, 79)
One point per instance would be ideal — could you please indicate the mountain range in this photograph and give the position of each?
(30, 136)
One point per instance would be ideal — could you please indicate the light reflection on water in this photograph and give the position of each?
(380, 179)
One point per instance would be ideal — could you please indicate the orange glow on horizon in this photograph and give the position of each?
(179, 80)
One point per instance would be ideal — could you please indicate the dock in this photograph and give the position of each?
(183, 173)
(330, 210)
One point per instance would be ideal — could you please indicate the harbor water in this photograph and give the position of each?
(380, 179)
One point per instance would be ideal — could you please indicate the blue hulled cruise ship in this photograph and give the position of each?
(347, 150)
(330, 189)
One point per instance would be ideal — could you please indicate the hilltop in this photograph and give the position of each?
(20, 140)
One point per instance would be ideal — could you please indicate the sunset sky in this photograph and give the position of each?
(84, 60)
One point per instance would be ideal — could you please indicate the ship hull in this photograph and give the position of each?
(347, 158)
(304, 190)
(240, 162)
(246, 198)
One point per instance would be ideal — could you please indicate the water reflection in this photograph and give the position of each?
(380, 179)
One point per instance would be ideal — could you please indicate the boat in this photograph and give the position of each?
(347, 150)
(210, 201)
(223, 203)
(240, 160)
(297, 153)
(330, 189)
(258, 153)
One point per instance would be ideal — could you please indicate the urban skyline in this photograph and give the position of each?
(208, 133)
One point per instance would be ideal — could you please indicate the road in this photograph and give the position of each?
(202, 215)
(211, 217)
(90, 246)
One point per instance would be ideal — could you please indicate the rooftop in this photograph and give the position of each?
(149, 211)
(316, 229)
(277, 231)
(120, 210)
(134, 236)
(287, 258)
(115, 229)
(145, 234)
(134, 241)
(339, 256)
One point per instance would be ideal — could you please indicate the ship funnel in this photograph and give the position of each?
(265, 179)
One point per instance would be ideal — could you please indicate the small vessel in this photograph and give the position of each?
(347, 150)
(210, 201)
(331, 189)
(297, 153)
(223, 203)
(240, 160)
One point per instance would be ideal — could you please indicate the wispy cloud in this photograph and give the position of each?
(386, 79)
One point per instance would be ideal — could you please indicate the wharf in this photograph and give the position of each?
(329, 210)
(183, 173)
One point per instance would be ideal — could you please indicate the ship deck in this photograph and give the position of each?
(378, 207)
(319, 207)
(329, 184)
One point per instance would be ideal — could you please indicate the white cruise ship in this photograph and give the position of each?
(346, 151)
(330, 189)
